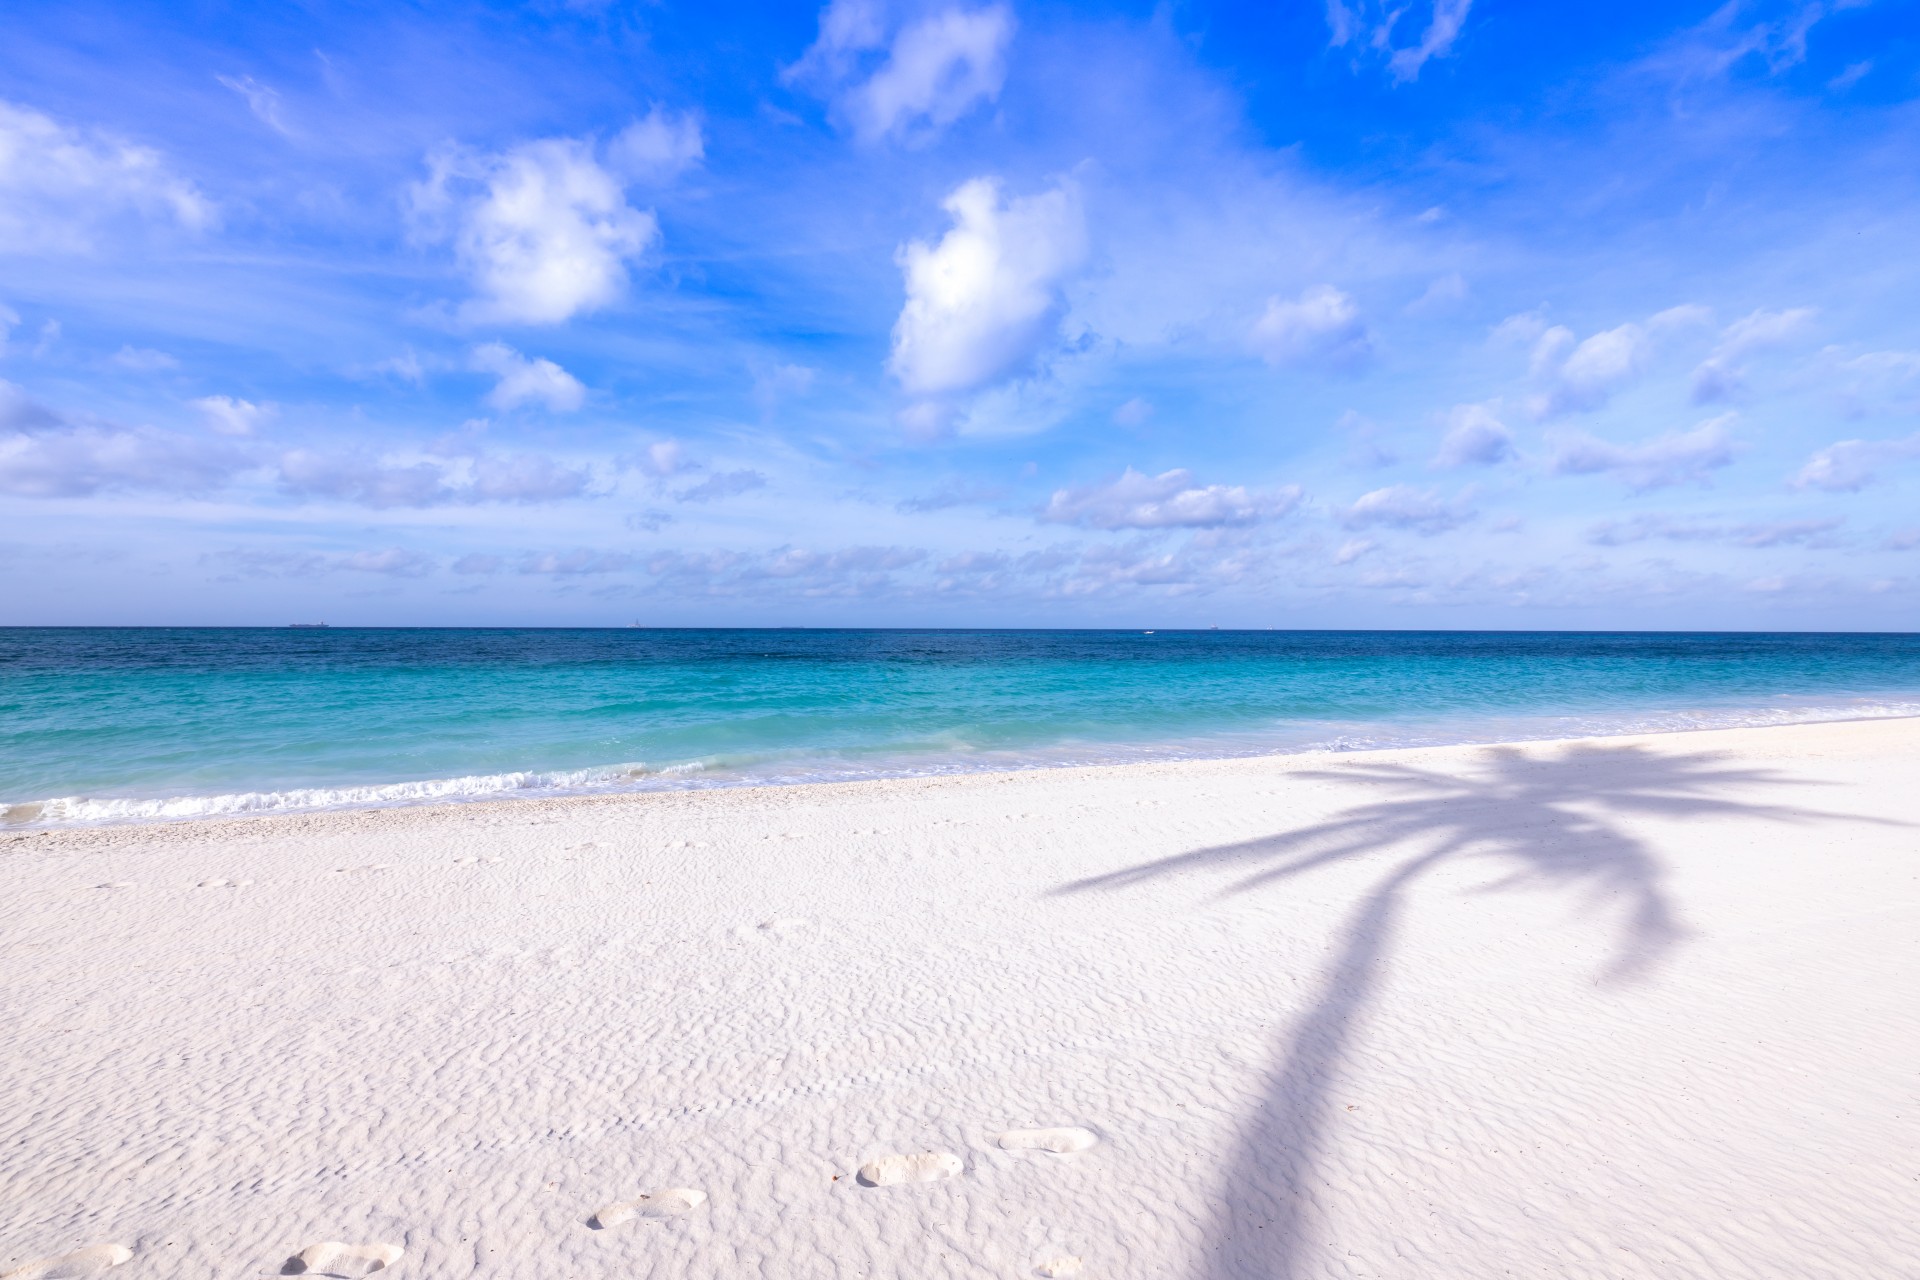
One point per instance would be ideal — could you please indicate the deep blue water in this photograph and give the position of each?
(129, 723)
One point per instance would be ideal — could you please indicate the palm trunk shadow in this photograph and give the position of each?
(1264, 1228)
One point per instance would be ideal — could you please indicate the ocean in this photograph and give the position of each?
(130, 724)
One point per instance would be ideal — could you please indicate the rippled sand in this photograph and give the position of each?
(1620, 1008)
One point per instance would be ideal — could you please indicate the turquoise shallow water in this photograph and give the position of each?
(119, 724)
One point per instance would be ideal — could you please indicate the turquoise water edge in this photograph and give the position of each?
(101, 725)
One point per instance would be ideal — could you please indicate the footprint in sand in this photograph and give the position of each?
(926, 1166)
(1058, 1141)
(1064, 1265)
(89, 1261)
(671, 1203)
(336, 1259)
(368, 869)
(220, 882)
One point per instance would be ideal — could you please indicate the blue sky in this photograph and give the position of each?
(1456, 314)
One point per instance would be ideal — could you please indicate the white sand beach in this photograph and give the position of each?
(1612, 1008)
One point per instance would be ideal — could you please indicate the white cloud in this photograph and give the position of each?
(543, 229)
(233, 417)
(1678, 457)
(8, 319)
(523, 381)
(1170, 500)
(61, 186)
(1370, 25)
(939, 68)
(1847, 466)
(657, 148)
(935, 71)
(44, 455)
(1133, 412)
(1475, 436)
(1585, 374)
(1322, 326)
(981, 301)
(1404, 507)
(1721, 373)
(429, 481)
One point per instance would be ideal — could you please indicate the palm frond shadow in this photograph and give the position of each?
(1551, 821)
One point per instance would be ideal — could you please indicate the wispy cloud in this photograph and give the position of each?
(62, 186)
(932, 72)
(1678, 457)
(1848, 466)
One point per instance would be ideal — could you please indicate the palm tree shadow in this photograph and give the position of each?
(1547, 820)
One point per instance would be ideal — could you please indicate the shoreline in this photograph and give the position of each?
(245, 805)
(1593, 1007)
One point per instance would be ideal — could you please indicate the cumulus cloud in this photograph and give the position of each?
(231, 416)
(1322, 326)
(44, 454)
(1374, 27)
(1475, 437)
(982, 300)
(1402, 506)
(1678, 457)
(1170, 500)
(62, 186)
(1720, 375)
(722, 484)
(934, 71)
(1847, 466)
(1583, 374)
(1757, 534)
(428, 482)
(543, 229)
(523, 381)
